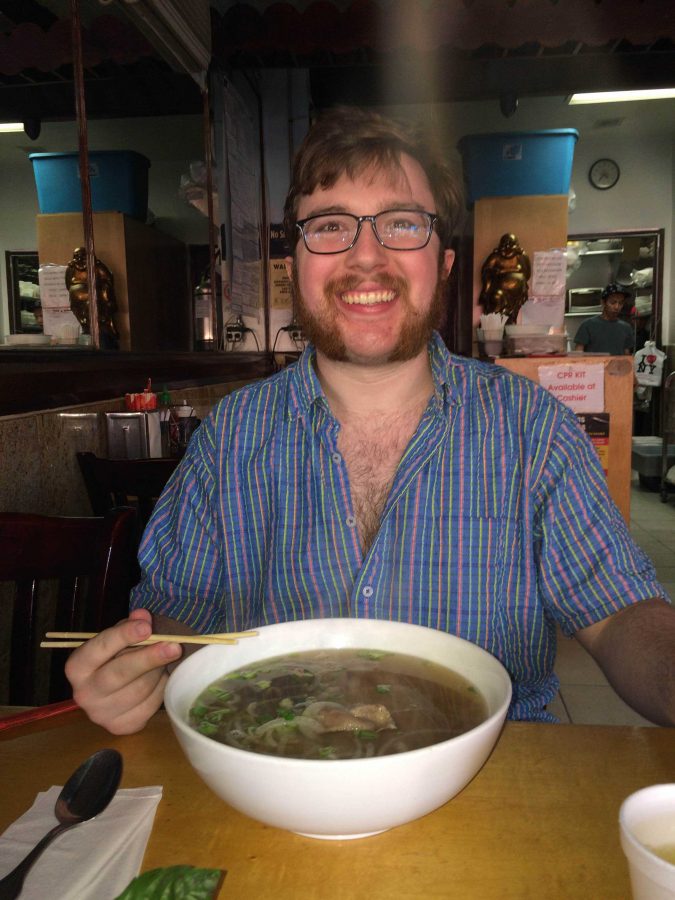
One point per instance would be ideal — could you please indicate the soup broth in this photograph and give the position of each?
(338, 704)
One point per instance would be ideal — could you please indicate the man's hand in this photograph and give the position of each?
(119, 686)
(635, 648)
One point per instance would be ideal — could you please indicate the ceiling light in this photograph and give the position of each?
(622, 96)
(7, 127)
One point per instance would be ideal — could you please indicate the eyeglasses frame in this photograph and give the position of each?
(433, 218)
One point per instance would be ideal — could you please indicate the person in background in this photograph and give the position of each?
(608, 333)
(380, 476)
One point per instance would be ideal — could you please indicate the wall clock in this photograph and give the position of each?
(603, 174)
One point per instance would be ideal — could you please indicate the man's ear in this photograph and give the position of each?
(448, 261)
(288, 262)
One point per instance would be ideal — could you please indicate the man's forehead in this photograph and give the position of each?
(404, 179)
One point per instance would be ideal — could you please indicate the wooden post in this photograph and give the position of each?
(87, 218)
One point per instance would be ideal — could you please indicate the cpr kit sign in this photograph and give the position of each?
(578, 385)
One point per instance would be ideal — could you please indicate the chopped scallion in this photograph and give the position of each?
(217, 715)
(207, 728)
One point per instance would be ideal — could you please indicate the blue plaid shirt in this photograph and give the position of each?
(498, 525)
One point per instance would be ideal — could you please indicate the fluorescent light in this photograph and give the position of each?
(7, 127)
(622, 96)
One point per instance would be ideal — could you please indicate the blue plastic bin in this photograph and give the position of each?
(119, 182)
(518, 163)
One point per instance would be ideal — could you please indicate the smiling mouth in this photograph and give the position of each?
(367, 298)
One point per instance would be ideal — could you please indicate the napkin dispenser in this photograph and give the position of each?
(134, 435)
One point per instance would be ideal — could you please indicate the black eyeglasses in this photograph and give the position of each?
(395, 229)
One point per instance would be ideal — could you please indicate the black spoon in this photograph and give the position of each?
(87, 792)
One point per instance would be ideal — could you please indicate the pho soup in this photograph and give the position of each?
(338, 704)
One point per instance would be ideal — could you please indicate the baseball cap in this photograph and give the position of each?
(615, 288)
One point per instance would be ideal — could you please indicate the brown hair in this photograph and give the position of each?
(348, 140)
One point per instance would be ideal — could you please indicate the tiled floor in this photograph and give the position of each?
(585, 696)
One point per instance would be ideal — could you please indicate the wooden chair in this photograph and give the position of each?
(79, 568)
(125, 482)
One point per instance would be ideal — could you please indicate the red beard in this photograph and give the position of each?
(322, 328)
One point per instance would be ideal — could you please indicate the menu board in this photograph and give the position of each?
(242, 150)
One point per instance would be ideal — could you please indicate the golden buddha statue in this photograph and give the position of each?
(77, 283)
(505, 274)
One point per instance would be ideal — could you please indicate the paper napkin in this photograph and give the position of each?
(92, 861)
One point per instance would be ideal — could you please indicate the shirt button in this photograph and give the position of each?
(336, 457)
(367, 591)
(351, 521)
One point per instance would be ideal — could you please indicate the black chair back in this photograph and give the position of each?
(125, 482)
(85, 566)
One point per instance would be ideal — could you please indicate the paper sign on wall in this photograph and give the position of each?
(546, 305)
(281, 294)
(549, 273)
(581, 387)
(596, 426)
(56, 312)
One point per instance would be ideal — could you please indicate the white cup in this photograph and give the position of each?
(493, 334)
(647, 823)
(68, 334)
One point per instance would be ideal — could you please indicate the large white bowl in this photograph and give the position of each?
(339, 798)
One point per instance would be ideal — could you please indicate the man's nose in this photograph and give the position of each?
(367, 246)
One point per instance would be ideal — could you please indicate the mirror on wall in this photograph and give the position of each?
(23, 291)
(136, 102)
(149, 109)
(631, 259)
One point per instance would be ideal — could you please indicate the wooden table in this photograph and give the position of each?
(539, 821)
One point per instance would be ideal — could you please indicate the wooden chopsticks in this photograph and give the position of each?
(69, 639)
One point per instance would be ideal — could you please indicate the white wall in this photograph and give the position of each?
(642, 198)
(18, 209)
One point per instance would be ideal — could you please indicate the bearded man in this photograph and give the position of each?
(380, 476)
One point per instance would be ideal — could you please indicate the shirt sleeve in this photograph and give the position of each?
(180, 552)
(589, 565)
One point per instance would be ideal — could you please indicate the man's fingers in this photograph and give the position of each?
(131, 664)
(106, 646)
(128, 710)
(118, 684)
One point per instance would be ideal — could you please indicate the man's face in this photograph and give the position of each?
(370, 305)
(613, 306)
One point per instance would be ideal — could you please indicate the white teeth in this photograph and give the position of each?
(368, 298)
